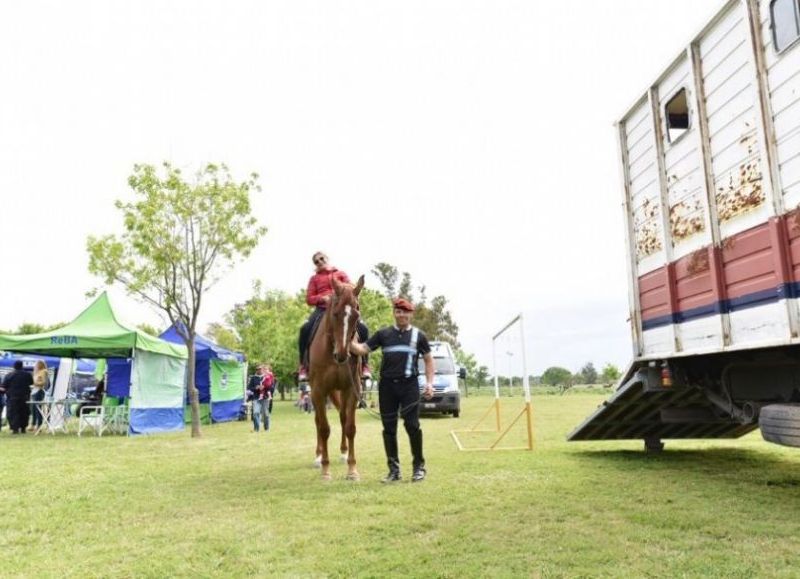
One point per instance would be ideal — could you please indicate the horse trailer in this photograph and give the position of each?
(710, 159)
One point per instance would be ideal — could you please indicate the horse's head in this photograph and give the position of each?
(344, 313)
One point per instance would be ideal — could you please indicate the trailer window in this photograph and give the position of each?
(785, 22)
(677, 114)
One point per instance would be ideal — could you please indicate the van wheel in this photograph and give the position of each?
(780, 424)
(456, 413)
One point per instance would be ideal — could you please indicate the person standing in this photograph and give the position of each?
(319, 294)
(398, 388)
(18, 391)
(261, 387)
(41, 383)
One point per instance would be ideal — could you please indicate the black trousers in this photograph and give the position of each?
(17, 414)
(400, 398)
(305, 332)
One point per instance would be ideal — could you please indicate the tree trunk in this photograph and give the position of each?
(194, 395)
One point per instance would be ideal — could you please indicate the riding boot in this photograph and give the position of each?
(415, 440)
(390, 446)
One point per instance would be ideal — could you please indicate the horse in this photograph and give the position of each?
(334, 373)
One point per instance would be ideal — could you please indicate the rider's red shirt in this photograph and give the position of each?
(320, 285)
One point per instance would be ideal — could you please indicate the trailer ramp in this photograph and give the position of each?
(644, 409)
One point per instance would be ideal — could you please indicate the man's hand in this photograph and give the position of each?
(427, 394)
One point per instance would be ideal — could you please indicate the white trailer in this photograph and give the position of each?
(710, 159)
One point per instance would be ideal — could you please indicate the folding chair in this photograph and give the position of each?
(92, 418)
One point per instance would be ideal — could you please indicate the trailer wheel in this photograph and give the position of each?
(780, 423)
(456, 413)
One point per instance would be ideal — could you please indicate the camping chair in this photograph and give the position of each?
(116, 417)
(92, 418)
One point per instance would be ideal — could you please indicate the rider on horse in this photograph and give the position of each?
(318, 294)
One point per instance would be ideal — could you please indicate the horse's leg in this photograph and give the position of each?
(349, 427)
(323, 431)
(341, 405)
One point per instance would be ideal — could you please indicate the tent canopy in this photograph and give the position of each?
(204, 348)
(95, 333)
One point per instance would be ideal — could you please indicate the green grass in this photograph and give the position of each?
(237, 504)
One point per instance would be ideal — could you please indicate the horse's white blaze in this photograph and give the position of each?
(346, 323)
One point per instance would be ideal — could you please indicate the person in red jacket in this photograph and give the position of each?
(319, 294)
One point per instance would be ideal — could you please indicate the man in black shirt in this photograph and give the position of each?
(18, 392)
(398, 389)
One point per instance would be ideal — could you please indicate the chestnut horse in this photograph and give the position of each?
(334, 373)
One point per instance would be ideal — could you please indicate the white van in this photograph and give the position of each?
(446, 394)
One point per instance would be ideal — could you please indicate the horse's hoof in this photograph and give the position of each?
(318, 462)
(353, 476)
(326, 476)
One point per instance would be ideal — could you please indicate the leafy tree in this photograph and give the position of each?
(588, 374)
(179, 238)
(610, 374)
(557, 376)
(434, 319)
(32, 328)
(482, 376)
(387, 276)
(148, 329)
(224, 336)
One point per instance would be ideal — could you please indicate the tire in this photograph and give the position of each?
(780, 424)
(456, 413)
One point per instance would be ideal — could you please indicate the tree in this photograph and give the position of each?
(148, 329)
(434, 319)
(557, 376)
(610, 374)
(32, 328)
(224, 336)
(588, 374)
(179, 238)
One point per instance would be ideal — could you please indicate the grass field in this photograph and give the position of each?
(237, 504)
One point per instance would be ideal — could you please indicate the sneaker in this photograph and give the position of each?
(419, 474)
(302, 374)
(365, 371)
(393, 476)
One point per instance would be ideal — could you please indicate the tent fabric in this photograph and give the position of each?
(202, 380)
(158, 382)
(204, 348)
(227, 389)
(205, 414)
(226, 411)
(118, 381)
(227, 381)
(95, 333)
(152, 420)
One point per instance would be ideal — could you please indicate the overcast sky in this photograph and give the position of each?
(469, 143)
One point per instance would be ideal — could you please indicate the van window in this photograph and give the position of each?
(677, 114)
(442, 366)
(785, 23)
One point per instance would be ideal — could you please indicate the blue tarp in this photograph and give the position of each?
(118, 380)
(226, 411)
(7, 359)
(150, 420)
(204, 348)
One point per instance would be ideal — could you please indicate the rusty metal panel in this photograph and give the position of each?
(783, 82)
(731, 103)
(683, 167)
(643, 185)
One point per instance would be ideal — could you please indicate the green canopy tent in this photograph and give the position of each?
(158, 377)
